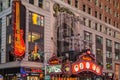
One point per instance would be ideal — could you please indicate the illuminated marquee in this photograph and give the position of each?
(86, 66)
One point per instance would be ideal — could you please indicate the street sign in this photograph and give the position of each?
(47, 77)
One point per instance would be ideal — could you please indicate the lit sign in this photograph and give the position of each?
(19, 45)
(36, 70)
(86, 66)
(54, 69)
(87, 58)
(54, 61)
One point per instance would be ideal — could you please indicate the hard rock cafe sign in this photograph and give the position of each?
(86, 66)
(86, 62)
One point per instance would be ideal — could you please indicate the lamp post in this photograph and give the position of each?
(45, 65)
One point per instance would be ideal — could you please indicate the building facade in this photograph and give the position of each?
(64, 27)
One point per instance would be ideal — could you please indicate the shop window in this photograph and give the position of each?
(36, 54)
(33, 37)
(9, 20)
(40, 3)
(36, 42)
(31, 1)
(37, 19)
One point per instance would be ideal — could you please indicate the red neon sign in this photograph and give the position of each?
(19, 45)
(86, 66)
(36, 70)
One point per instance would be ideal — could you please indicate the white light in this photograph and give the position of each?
(76, 68)
(87, 65)
(81, 66)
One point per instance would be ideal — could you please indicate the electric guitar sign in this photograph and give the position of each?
(19, 44)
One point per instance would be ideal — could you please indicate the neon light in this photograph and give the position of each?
(86, 66)
(19, 45)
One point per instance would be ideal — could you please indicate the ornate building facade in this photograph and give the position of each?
(63, 27)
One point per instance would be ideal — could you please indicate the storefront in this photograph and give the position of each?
(23, 73)
(84, 68)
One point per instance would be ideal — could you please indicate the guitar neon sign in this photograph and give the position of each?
(19, 45)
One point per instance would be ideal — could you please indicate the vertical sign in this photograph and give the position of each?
(19, 44)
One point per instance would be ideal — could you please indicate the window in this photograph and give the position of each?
(31, 1)
(9, 3)
(96, 26)
(108, 43)
(99, 40)
(89, 10)
(89, 23)
(9, 39)
(87, 36)
(100, 28)
(69, 1)
(40, 3)
(106, 19)
(96, 14)
(33, 37)
(0, 36)
(84, 21)
(9, 20)
(108, 54)
(117, 45)
(100, 16)
(106, 8)
(109, 65)
(1, 6)
(37, 19)
(96, 2)
(100, 5)
(84, 8)
(109, 21)
(76, 3)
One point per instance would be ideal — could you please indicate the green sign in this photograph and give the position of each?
(54, 69)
